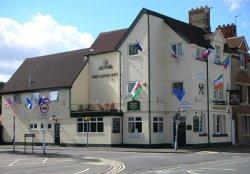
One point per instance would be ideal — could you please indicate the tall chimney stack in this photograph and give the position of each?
(200, 17)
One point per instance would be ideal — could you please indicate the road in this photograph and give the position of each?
(118, 160)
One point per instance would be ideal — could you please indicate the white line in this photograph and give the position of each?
(189, 171)
(82, 171)
(44, 161)
(13, 162)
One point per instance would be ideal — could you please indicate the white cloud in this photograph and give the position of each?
(39, 36)
(235, 4)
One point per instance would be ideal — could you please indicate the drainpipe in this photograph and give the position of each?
(120, 89)
(208, 119)
(149, 94)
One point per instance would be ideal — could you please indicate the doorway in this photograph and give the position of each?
(57, 133)
(181, 140)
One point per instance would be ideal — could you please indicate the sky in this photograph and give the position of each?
(30, 28)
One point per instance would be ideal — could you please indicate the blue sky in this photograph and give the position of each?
(31, 28)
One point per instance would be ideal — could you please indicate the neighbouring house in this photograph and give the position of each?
(128, 86)
(240, 84)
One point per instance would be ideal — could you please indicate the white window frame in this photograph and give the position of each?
(179, 49)
(219, 125)
(53, 95)
(138, 51)
(134, 121)
(35, 97)
(93, 120)
(158, 121)
(33, 126)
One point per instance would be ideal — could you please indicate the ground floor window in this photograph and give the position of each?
(134, 125)
(94, 124)
(219, 124)
(33, 126)
(199, 123)
(116, 125)
(245, 125)
(158, 124)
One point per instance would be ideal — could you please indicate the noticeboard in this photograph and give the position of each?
(133, 105)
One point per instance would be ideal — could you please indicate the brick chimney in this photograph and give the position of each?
(228, 30)
(200, 17)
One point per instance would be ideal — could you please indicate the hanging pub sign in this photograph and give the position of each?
(133, 105)
(234, 97)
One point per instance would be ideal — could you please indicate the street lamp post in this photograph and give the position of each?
(177, 122)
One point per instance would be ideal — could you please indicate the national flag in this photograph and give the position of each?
(29, 103)
(138, 46)
(173, 52)
(205, 54)
(179, 93)
(218, 84)
(8, 102)
(226, 62)
(43, 100)
(136, 90)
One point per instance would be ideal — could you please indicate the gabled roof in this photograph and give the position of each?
(107, 41)
(189, 33)
(235, 42)
(46, 72)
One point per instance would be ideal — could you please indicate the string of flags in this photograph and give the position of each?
(30, 104)
(218, 83)
(227, 62)
(8, 102)
(138, 46)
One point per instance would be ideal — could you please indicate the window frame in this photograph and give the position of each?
(93, 123)
(242, 61)
(134, 121)
(157, 120)
(138, 51)
(50, 95)
(18, 96)
(35, 96)
(33, 126)
(221, 125)
(179, 49)
(127, 92)
(202, 123)
(218, 53)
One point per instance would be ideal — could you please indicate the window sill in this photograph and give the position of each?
(220, 135)
(136, 55)
(219, 102)
(202, 134)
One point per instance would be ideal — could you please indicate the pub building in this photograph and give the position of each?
(127, 87)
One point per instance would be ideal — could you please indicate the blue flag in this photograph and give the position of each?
(28, 103)
(43, 100)
(179, 93)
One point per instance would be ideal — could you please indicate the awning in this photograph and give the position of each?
(101, 113)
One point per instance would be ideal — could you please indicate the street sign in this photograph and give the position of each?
(185, 105)
(133, 105)
(44, 108)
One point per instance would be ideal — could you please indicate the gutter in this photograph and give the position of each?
(120, 89)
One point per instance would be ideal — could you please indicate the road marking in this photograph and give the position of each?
(189, 171)
(13, 162)
(44, 161)
(82, 171)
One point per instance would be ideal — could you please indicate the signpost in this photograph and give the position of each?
(44, 109)
(87, 120)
